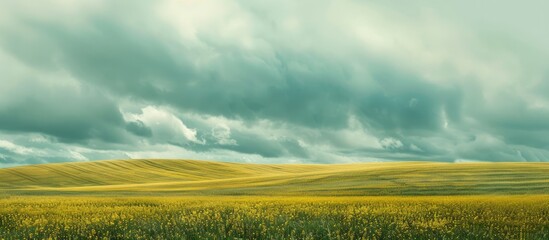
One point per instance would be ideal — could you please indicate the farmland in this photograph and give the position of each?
(177, 199)
(185, 177)
(461, 217)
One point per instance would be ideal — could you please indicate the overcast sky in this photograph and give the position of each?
(274, 81)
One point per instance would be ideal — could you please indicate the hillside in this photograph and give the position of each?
(186, 177)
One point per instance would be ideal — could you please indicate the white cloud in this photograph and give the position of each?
(357, 136)
(72, 154)
(223, 135)
(415, 148)
(391, 143)
(164, 125)
(15, 148)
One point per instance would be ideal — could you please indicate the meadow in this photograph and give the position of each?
(176, 199)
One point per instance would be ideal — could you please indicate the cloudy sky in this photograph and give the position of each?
(274, 81)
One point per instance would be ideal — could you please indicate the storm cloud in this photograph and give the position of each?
(265, 81)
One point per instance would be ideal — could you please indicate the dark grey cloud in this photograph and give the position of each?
(69, 116)
(139, 128)
(406, 102)
(345, 81)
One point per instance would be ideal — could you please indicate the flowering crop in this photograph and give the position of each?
(249, 217)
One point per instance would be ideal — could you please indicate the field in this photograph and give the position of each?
(172, 199)
(180, 177)
(275, 218)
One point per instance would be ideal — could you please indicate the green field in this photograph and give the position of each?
(185, 177)
(182, 199)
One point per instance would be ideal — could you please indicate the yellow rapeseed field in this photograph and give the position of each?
(184, 199)
(248, 217)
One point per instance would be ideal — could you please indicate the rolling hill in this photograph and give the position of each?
(188, 177)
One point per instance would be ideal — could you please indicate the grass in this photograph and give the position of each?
(177, 177)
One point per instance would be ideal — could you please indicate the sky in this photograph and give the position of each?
(274, 81)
